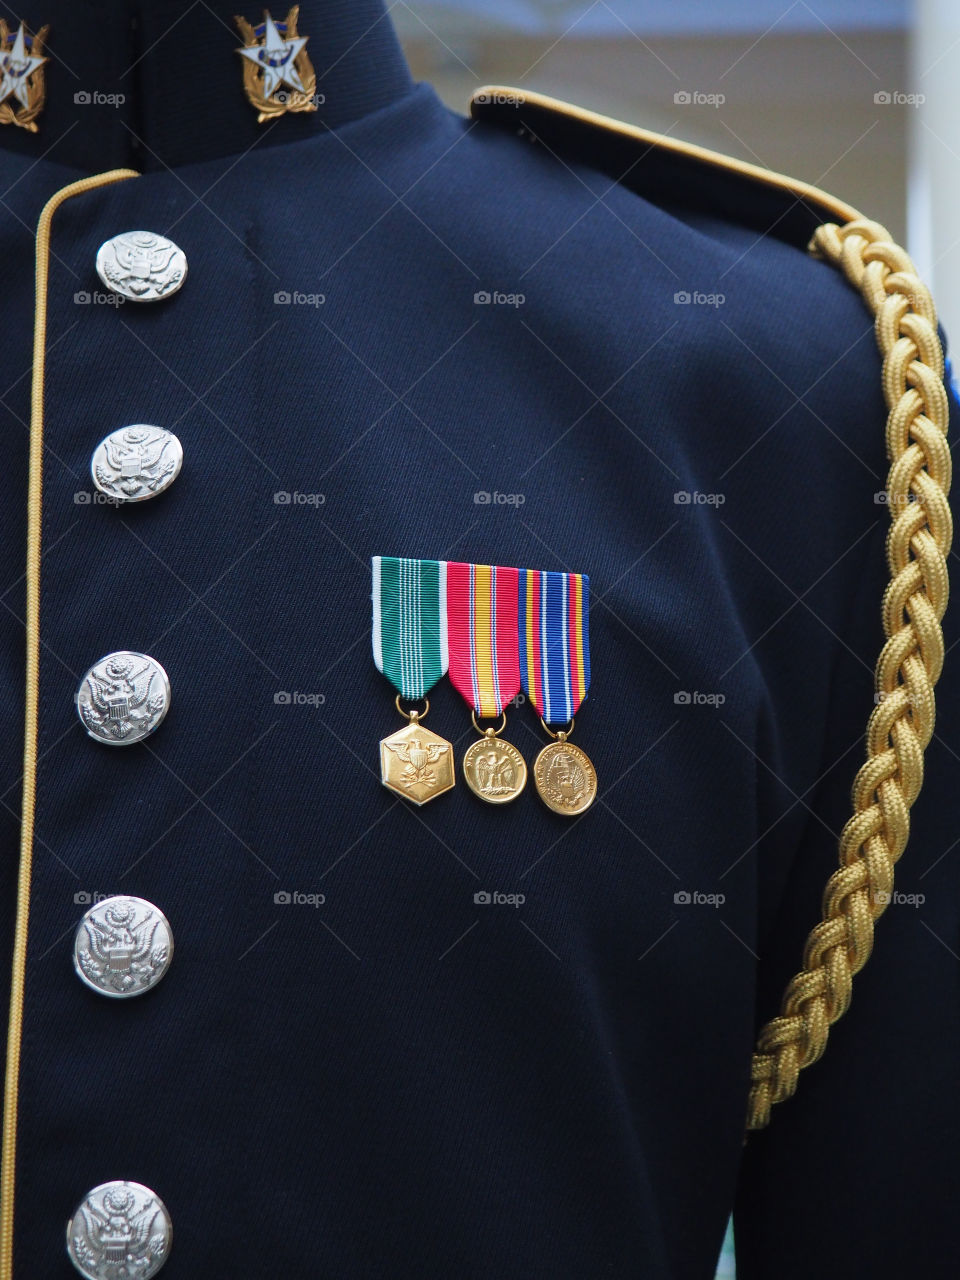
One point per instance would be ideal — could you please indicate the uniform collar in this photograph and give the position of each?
(154, 83)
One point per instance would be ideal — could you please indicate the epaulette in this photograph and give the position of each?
(663, 169)
(680, 175)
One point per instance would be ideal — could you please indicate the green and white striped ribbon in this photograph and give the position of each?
(410, 622)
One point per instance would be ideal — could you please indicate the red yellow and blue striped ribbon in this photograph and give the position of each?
(482, 634)
(554, 642)
(496, 627)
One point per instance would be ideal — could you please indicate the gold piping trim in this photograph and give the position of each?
(32, 624)
(839, 209)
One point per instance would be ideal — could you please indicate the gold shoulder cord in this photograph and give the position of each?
(909, 665)
(32, 624)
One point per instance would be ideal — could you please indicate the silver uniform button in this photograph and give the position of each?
(136, 462)
(121, 1229)
(123, 698)
(141, 266)
(123, 946)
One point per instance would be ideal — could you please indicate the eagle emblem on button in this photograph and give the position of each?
(121, 1229)
(136, 463)
(141, 266)
(122, 947)
(123, 698)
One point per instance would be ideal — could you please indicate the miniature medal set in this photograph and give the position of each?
(492, 630)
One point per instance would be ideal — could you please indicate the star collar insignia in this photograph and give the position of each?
(277, 73)
(21, 76)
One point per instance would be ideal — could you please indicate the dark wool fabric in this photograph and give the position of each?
(403, 1082)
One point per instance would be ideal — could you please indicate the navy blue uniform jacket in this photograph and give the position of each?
(401, 1081)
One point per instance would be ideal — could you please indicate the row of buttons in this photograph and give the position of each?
(123, 946)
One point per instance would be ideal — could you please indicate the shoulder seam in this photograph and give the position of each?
(500, 103)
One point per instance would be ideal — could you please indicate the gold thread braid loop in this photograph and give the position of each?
(901, 723)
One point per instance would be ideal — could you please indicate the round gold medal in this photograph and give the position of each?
(494, 770)
(565, 778)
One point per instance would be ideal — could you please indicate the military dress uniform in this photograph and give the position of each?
(243, 356)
